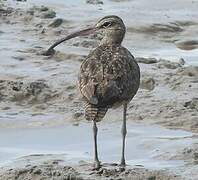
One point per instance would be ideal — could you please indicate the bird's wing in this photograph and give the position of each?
(87, 78)
(106, 76)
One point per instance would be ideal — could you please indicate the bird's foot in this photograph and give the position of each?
(122, 166)
(96, 166)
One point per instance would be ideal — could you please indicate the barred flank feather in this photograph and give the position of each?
(92, 112)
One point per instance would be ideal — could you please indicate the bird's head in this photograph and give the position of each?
(111, 28)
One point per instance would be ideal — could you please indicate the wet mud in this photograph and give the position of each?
(55, 171)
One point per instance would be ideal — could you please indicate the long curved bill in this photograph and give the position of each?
(83, 32)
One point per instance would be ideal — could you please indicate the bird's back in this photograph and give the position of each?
(108, 77)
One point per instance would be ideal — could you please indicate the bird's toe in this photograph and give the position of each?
(96, 165)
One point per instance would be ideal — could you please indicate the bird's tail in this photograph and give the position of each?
(92, 112)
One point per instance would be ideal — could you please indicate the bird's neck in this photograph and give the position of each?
(115, 38)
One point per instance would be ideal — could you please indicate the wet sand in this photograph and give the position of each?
(40, 108)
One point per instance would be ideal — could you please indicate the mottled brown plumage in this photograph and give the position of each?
(109, 76)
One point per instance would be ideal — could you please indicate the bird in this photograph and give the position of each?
(109, 76)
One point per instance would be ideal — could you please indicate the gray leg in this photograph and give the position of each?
(96, 161)
(124, 132)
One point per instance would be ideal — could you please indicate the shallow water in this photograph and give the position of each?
(74, 143)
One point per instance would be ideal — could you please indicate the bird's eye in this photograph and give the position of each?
(106, 24)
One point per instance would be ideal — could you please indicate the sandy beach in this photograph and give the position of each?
(43, 132)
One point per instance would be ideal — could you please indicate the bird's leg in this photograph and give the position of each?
(96, 160)
(124, 132)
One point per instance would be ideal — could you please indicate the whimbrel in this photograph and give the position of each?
(109, 77)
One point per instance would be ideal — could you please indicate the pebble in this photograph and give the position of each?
(48, 14)
(94, 2)
(56, 23)
(146, 60)
(147, 83)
